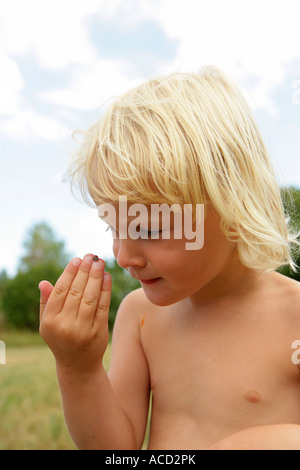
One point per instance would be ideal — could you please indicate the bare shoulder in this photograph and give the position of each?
(136, 301)
(289, 291)
(290, 286)
(134, 307)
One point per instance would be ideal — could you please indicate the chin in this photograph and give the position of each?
(161, 300)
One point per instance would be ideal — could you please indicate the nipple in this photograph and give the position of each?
(252, 396)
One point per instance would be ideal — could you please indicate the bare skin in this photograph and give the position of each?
(211, 339)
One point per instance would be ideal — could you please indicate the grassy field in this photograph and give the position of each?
(30, 405)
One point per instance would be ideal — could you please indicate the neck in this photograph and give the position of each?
(233, 282)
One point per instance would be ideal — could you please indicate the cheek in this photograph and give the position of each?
(183, 267)
(201, 266)
(115, 247)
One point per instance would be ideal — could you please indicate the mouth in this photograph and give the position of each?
(149, 281)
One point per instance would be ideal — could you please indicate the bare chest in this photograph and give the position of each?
(216, 372)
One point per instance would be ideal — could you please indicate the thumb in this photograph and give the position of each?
(45, 289)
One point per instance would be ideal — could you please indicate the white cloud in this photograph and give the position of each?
(252, 40)
(53, 32)
(27, 124)
(129, 12)
(56, 32)
(95, 84)
(56, 35)
(11, 85)
(249, 39)
(17, 118)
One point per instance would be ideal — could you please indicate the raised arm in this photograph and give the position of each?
(74, 324)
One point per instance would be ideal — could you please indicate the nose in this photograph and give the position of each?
(128, 253)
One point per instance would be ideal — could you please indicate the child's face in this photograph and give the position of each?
(168, 272)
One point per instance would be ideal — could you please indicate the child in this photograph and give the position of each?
(210, 332)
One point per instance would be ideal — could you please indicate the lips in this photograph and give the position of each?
(146, 281)
(149, 281)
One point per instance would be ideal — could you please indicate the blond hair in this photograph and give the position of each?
(190, 138)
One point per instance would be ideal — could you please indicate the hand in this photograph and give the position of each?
(74, 314)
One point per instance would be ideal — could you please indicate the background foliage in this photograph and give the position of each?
(291, 200)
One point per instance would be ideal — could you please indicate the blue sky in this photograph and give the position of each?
(61, 59)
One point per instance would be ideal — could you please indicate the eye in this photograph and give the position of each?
(152, 234)
(155, 234)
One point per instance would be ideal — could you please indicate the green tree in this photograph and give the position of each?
(42, 247)
(44, 258)
(3, 281)
(20, 301)
(291, 201)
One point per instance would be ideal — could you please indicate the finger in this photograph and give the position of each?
(45, 289)
(60, 291)
(91, 294)
(104, 301)
(77, 288)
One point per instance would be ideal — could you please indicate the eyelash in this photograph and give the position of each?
(149, 232)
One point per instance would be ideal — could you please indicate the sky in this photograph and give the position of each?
(60, 60)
